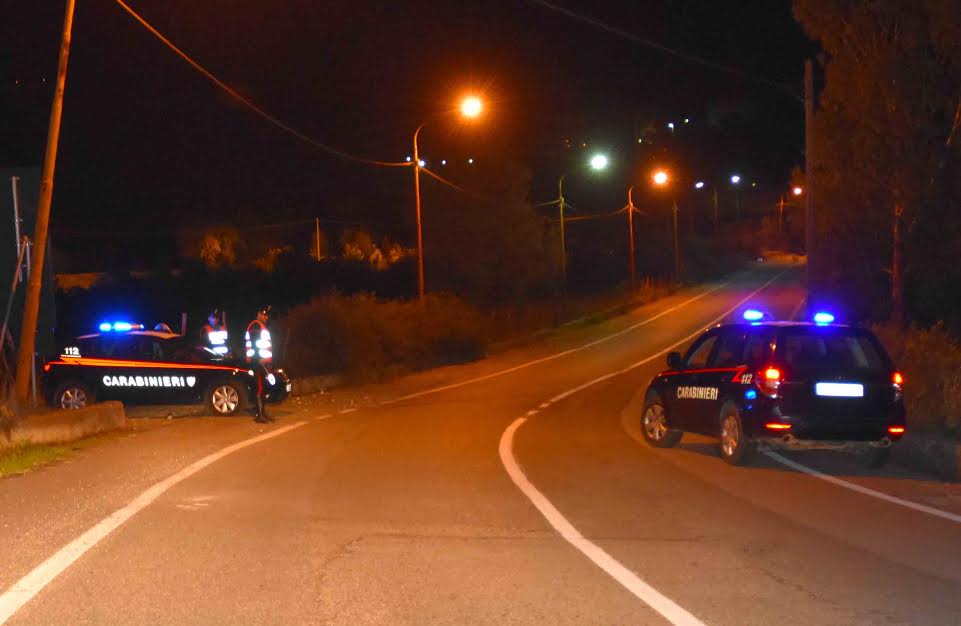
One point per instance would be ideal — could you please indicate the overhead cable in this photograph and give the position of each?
(250, 104)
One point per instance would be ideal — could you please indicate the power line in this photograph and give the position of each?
(665, 49)
(249, 103)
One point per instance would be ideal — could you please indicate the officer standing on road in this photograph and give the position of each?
(214, 334)
(260, 353)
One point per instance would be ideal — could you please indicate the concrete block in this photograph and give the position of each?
(61, 426)
(929, 454)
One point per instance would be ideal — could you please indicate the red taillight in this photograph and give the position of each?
(768, 380)
(777, 426)
(897, 379)
(896, 430)
(46, 367)
(772, 373)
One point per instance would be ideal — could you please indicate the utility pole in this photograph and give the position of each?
(630, 227)
(677, 253)
(31, 305)
(714, 188)
(420, 235)
(780, 214)
(560, 205)
(809, 171)
(317, 237)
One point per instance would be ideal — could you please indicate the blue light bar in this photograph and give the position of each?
(753, 315)
(105, 327)
(122, 326)
(823, 318)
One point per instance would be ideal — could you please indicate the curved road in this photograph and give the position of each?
(513, 490)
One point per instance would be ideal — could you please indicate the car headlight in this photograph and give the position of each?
(271, 379)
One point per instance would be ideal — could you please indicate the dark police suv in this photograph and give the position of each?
(137, 366)
(779, 384)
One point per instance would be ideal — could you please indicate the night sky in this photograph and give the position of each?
(149, 146)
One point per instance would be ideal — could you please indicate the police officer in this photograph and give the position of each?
(260, 354)
(214, 334)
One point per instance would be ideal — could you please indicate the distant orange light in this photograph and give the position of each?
(471, 106)
(797, 191)
(897, 379)
(660, 178)
(896, 430)
(772, 373)
(777, 426)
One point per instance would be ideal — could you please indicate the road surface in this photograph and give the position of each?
(511, 490)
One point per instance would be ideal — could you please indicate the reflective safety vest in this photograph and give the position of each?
(257, 343)
(216, 339)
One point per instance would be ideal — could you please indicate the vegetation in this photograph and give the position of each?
(930, 360)
(26, 457)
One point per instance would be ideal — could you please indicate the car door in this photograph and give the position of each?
(713, 384)
(681, 401)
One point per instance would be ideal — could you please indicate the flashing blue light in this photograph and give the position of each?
(122, 326)
(753, 315)
(105, 327)
(750, 394)
(823, 318)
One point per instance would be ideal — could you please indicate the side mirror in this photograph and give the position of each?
(674, 361)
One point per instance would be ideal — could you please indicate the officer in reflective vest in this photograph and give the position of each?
(260, 353)
(214, 335)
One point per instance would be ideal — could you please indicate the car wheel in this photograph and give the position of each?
(734, 444)
(225, 398)
(878, 457)
(72, 395)
(654, 425)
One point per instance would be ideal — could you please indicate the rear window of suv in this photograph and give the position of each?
(817, 349)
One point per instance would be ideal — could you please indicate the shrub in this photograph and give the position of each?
(369, 339)
(931, 362)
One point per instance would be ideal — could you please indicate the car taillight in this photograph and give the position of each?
(898, 381)
(777, 426)
(769, 380)
(896, 430)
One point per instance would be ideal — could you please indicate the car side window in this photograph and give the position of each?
(757, 348)
(699, 354)
(729, 348)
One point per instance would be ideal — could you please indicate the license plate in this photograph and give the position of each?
(839, 390)
(288, 387)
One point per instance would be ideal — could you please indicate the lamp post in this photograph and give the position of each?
(736, 180)
(795, 191)
(632, 263)
(470, 107)
(662, 179)
(598, 162)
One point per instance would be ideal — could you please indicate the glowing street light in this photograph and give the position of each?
(735, 179)
(699, 184)
(797, 191)
(660, 178)
(470, 107)
(599, 162)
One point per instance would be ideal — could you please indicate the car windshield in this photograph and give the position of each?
(810, 350)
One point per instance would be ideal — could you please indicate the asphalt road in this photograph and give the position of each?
(512, 490)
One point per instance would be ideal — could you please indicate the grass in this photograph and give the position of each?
(24, 458)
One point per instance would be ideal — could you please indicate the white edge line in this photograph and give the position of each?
(21, 592)
(864, 490)
(647, 594)
(668, 609)
(557, 355)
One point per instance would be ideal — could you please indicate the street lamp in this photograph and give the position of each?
(470, 108)
(797, 191)
(662, 179)
(736, 180)
(598, 163)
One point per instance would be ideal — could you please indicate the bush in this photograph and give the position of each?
(930, 360)
(369, 339)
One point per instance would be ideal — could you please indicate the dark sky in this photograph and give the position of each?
(147, 141)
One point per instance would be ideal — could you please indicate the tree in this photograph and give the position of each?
(215, 247)
(888, 107)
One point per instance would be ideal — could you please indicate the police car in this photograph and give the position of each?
(767, 384)
(126, 362)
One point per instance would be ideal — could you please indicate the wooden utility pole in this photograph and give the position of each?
(560, 206)
(31, 307)
(632, 263)
(897, 270)
(809, 171)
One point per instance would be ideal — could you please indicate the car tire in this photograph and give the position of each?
(226, 397)
(72, 394)
(654, 425)
(734, 445)
(878, 457)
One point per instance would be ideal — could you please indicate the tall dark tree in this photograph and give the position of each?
(884, 132)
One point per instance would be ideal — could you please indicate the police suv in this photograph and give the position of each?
(137, 366)
(770, 384)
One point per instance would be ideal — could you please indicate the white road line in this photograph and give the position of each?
(322, 417)
(670, 610)
(557, 355)
(647, 594)
(351, 410)
(30, 585)
(864, 490)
